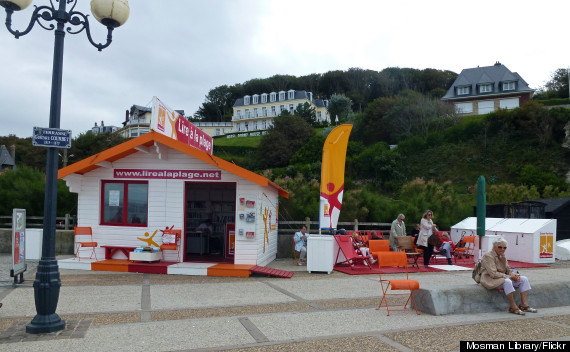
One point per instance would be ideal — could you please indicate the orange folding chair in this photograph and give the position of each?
(468, 247)
(362, 237)
(82, 232)
(171, 242)
(378, 246)
(295, 253)
(396, 259)
(352, 255)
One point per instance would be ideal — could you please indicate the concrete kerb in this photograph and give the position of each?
(469, 299)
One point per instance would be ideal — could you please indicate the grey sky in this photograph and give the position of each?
(178, 50)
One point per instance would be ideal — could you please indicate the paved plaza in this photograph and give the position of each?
(107, 311)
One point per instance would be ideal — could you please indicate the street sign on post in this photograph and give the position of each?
(51, 137)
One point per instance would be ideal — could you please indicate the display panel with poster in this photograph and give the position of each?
(18, 242)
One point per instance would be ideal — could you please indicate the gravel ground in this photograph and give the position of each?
(400, 338)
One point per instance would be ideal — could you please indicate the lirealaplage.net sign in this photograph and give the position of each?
(162, 174)
(170, 123)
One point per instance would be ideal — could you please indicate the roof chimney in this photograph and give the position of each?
(13, 152)
(102, 124)
(497, 63)
(95, 124)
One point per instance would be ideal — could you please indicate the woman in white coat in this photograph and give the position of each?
(426, 229)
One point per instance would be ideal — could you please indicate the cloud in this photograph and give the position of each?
(179, 50)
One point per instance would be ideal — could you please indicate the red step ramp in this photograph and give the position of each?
(271, 272)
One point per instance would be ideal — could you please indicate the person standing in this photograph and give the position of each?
(426, 229)
(301, 244)
(398, 229)
(415, 233)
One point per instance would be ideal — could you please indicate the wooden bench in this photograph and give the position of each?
(112, 249)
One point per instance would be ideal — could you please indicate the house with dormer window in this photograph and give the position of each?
(482, 90)
(251, 113)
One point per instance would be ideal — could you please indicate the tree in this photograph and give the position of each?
(378, 165)
(417, 114)
(284, 138)
(370, 126)
(87, 144)
(448, 207)
(303, 198)
(307, 112)
(311, 152)
(340, 106)
(557, 86)
(509, 193)
(218, 104)
(531, 175)
(25, 188)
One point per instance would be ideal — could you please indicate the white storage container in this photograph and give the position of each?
(34, 240)
(321, 253)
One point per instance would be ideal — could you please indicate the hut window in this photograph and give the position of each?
(124, 203)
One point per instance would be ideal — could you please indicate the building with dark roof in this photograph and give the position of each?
(481, 90)
(559, 209)
(549, 208)
(100, 129)
(7, 161)
(256, 112)
(137, 122)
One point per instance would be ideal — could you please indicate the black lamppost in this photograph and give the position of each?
(112, 14)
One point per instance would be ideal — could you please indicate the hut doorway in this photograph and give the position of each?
(209, 221)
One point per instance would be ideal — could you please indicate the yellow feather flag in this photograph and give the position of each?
(332, 176)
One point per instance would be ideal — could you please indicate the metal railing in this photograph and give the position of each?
(62, 222)
(285, 227)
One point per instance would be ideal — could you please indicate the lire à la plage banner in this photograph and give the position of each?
(332, 176)
(170, 123)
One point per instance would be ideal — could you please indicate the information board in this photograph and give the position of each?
(18, 242)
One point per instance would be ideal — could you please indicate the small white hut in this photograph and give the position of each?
(131, 193)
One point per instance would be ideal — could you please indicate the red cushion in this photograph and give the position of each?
(88, 244)
(404, 284)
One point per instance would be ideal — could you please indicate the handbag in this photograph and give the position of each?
(434, 240)
(476, 273)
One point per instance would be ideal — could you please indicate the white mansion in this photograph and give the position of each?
(256, 112)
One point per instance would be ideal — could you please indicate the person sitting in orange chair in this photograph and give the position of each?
(446, 247)
(360, 245)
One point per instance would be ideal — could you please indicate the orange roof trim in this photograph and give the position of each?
(127, 148)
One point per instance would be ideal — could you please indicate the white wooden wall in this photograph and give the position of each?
(253, 251)
(166, 205)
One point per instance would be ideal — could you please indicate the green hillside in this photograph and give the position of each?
(518, 152)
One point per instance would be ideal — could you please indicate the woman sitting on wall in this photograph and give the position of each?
(496, 273)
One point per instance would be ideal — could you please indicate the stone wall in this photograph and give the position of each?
(63, 241)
